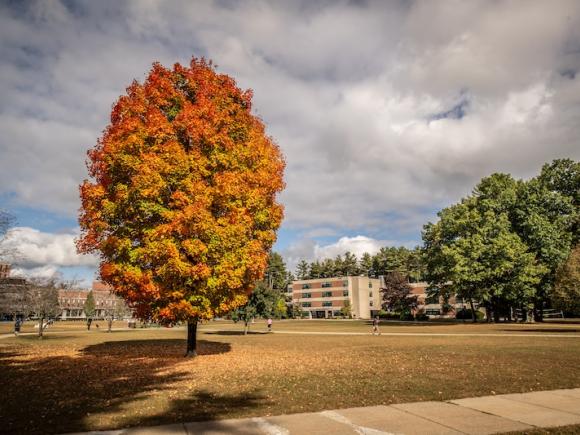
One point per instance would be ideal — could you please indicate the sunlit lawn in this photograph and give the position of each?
(75, 380)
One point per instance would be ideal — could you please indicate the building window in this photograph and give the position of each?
(306, 304)
(305, 286)
(370, 303)
(459, 300)
(306, 295)
(326, 284)
(345, 283)
(370, 294)
(370, 284)
(326, 294)
(327, 304)
(345, 292)
(433, 312)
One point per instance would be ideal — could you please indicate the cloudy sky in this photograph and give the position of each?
(386, 111)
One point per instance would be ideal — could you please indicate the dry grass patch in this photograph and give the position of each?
(75, 382)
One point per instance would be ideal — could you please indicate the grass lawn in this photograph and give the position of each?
(75, 380)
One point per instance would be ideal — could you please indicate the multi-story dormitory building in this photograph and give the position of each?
(325, 297)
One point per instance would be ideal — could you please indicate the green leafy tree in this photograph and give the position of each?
(414, 265)
(262, 302)
(562, 176)
(566, 295)
(544, 220)
(473, 251)
(280, 310)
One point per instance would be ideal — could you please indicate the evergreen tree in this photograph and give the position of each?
(302, 270)
(89, 306)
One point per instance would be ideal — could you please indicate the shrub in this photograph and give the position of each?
(421, 317)
(466, 315)
(386, 315)
(406, 316)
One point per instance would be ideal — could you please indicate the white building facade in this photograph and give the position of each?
(325, 298)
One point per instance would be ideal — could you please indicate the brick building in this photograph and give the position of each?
(72, 302)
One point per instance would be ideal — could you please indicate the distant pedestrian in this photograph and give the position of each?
(269, 324)
(376, 322)
(89, 321)
(17, 325)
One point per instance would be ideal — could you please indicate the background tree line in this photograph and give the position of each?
(408, 262)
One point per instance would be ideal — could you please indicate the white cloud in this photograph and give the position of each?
(35, 249)
(357, 245)
(310, 250)
(42, 272)
(350, 91)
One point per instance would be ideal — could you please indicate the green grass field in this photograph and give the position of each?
(78, 380)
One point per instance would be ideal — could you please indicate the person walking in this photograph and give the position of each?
(376, 322)
(17, 325)
(269, 324)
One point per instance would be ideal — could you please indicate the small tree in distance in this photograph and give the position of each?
(397, 294)
(89, 308)
(261, 303)
(346, 310)
(182, 206)
(43, 302)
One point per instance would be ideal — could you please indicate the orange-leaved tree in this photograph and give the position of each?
(182, 203)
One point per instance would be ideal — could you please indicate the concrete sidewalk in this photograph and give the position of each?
(479, 415)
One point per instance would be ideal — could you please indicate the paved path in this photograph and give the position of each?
(479, 415)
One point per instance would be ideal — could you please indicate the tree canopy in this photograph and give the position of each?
(396, 294)
(182, 206)
(502, 245)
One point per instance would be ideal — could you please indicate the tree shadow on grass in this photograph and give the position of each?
(204, 406)
(234, 332)
(432, 323)
(546, 330)
(56, 394)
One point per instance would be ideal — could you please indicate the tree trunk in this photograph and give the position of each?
(473, 316)
(488, 314)
(191, 338)
(538, 312)
(40, 329)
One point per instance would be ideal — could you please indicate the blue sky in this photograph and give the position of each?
(386, 111)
